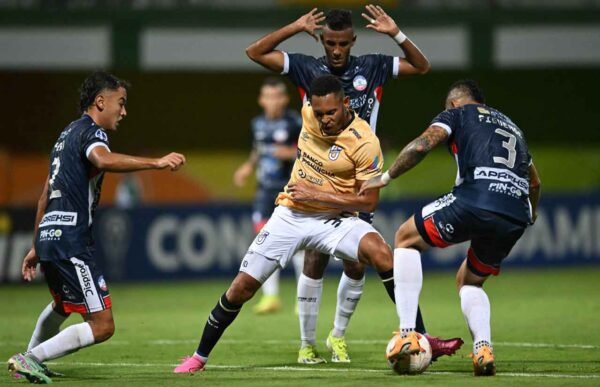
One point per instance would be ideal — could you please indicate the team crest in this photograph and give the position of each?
(101, 135)
(102, 283)
(261, 237)
(359, 82)
(334, 152)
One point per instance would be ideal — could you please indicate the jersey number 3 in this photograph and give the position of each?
(510, 146)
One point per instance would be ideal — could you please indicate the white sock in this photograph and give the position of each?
(69, 340)
(271, 286)
(475, 306)
(309, 299)
(408, 277)
(348, 295)
(48, 325)
(298, 262)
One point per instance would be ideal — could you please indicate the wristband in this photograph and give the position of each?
(400, 37)
(386, 178)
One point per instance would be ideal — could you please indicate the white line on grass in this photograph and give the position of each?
(315, 369)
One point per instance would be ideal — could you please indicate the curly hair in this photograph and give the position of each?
(338, 19)
(96, 83)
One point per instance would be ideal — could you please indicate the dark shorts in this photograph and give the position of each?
(263, 207)
(447, 221)
(78, 284)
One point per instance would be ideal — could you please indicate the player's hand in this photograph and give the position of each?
(372, 183)
(301, 192)
(241, 174)
(380, 21)
(173, 161)
(309, 23)
(29, 268)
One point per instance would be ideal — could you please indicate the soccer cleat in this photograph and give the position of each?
(441, 347)
(309, 355)
(483, 362)
(404, 346)
(189, 365)
(27, 366)
(48, 372)
(267, 304)
(338, 348)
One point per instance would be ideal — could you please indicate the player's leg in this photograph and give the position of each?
(48, 323)
(349, 291)
(309, 292)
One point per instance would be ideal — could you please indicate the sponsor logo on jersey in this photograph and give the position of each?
(59, 146)
(334, 152)
(315, 164)
(359, 82)
(482, 110)
(304, 136)
(59, 218)
(50, 235)
(101, 135)
(355, 132)
(261, 237)
(375, 164)
(502, 175)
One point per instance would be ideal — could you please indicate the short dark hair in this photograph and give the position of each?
(339, 19)
(275, 82)
(470, 88)
(326, 84)
(94, 84)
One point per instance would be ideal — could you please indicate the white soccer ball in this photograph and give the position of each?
(413, 364)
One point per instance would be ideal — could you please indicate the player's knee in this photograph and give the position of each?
(242, 289)
(381, 257)
(315, 264)
(354, 270)
(102, 330)
(403, 237)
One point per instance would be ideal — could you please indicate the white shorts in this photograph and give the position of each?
(288, 231)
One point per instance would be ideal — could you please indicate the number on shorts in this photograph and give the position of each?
(510, 146)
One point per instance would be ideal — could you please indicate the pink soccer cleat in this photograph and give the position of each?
(189, 365)
(441, 347)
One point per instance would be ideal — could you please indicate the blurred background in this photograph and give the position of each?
(195, 91)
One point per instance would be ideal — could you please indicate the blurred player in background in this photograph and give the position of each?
(275, 135)
(362, 78)
(63, 241)
(494, 199)
(337, 152)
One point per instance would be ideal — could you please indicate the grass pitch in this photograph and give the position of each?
(545, 327)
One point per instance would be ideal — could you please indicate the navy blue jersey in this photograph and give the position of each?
(493, 160)
(73, 193)
(362, 80)
(271, 172)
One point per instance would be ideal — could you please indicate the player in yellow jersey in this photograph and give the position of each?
(337, 152)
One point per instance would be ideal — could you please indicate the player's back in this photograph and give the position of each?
(493, 160)
(73, 192)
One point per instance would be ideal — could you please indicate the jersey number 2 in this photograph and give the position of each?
(510, 146)
(56, 165)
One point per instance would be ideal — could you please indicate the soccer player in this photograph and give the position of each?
(337, 152)
(63, 241)
(362, 78)
(275, 133)
(495, 197)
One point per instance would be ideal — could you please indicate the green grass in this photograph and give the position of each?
(540, 322)
(562, 169)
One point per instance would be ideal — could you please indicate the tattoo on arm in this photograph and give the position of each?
(417, 149)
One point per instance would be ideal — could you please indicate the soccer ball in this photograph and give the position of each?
(413, 364)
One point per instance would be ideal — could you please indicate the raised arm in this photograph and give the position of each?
(414, 61)
(410, 156)
(263, 50)
(108, 161)
(534, 190)
(353, 202)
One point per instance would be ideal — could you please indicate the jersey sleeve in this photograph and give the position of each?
(448, 119)
(92, 138)
(368, 159)
(299, 69)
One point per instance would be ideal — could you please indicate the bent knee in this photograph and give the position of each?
(354, 269)
(102, 331)
(314, 264)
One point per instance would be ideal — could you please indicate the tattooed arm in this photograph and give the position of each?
(411, 155)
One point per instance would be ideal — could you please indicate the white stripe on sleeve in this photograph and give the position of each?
(286, 63)
(92, 146)
(396, 67)
(442, 125)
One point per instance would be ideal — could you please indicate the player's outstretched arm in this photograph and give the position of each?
(108, 161)
(263, 50)
(410, 156)
(535, 186)
(302, 192)
(414, 62)
(30, 262)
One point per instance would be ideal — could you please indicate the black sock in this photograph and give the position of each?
(387, 278)
(219, 319)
